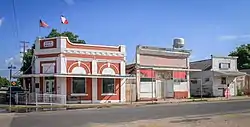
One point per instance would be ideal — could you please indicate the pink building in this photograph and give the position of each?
(161, 73)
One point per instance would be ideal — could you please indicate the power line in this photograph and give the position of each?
(15, 18)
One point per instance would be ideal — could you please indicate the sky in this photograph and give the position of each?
(208, 26)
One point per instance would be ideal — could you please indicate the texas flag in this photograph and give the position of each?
(43, 24)
(64, 20)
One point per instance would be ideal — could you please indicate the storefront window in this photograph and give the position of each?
(79, 85)
(108, 85)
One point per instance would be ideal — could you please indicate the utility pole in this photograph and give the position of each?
(11, 67)
(24, 47)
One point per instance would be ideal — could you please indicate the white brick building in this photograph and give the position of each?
(217, 74)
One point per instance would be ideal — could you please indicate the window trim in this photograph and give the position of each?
(109, 94)
(225, 80)
(229, 66)
(79, 94)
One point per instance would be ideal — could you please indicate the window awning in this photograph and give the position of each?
(229, 73)
(170, 69)
(74, 75)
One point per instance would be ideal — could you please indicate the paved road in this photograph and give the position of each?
(80, 118)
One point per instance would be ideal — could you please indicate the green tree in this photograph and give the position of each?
(4, 82)
(26, 68)
(243, 54)
(72, 37)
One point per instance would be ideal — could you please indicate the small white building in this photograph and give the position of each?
(217, 74)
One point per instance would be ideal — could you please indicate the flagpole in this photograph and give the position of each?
(61, 28)
(39, 30)
(60, 24)
(66, 28)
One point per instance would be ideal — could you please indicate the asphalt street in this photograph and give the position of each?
(81, 118)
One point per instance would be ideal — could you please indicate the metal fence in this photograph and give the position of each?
(50, 99)
(39, 99)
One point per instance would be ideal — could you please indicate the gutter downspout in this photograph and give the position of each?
(188, 76)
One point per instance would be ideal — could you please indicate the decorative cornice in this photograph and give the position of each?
(98, 53)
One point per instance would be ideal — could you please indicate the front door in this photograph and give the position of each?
(169, 88)
(49, 85)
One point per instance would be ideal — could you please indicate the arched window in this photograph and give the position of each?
(78, 70)
(108, 71)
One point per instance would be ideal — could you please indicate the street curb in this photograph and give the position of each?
(134, 104)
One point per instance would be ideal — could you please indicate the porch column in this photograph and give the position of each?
(123, 82)
(138, 84)
(94, 81)
(37, 87)
(62, 88)
(32, 85)
(24, 84)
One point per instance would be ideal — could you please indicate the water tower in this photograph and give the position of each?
(178, 43)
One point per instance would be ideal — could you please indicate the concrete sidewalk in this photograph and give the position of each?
(166, 101)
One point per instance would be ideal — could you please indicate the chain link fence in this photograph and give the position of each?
(39, 99)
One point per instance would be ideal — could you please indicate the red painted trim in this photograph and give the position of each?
(42, 42)
(103, 65)
(180, 94)
(44, 62)
(179, 74)
(41, 85)
(147, 73)
(86, 65)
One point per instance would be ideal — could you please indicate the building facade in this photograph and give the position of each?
(218, 73)
(245, 88)
(82, 72)
(161, 72)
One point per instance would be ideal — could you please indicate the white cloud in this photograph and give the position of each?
(69, 2)
(16, 60)
(1, 21)
(234, 37)
(192, 57)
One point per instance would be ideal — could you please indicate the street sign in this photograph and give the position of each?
(13, 83)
